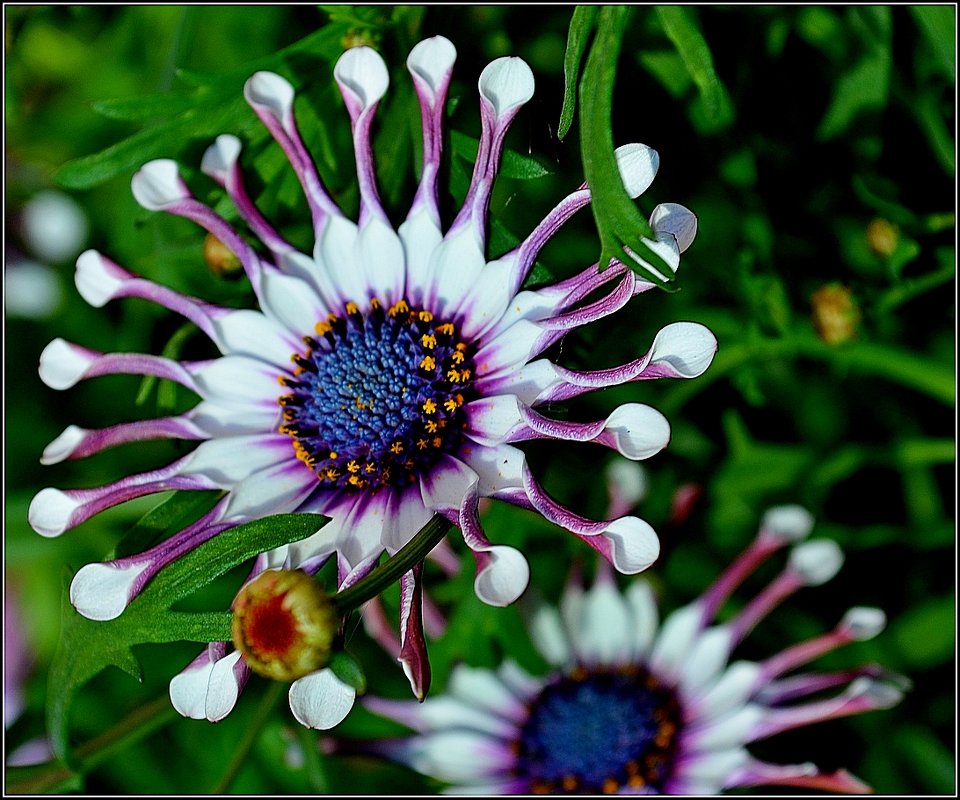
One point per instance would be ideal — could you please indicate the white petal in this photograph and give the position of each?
(688, 347)
(361, 71)
(862, 623)
(638, 166)
(50, 512)
(707, 659)
(665, 246)
(221, 157)
(548, 636)
(627, 483)
(63, 446)
(240, 381)
(97, 279)
(336, 253)
(230, 460)
(677, 220)
(420, 235)
(277, 489)
(506, 83)
(291, 302)
(432, 61)
(102, 591)
(789, 523)
(713, 769)
(635, 544)
(188, 689)
(481, 688)
(321, 700)
(492, 419)
(639, 430)
(731, 690)
(458, 755)
(816, 562)
(223, 688)
(646, 616)
(454, 269)
(63, 364)
(676, 639)
(504, 578)
(248, 332)
(605, 637)
(380, 251)
(270, 91)
(730, 730)
(157, 185)
(445, 712)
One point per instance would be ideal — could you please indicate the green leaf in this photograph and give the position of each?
(922, 753)
(348, 670)
(619, 223)
(924, 636)
(581, 26)
(939, 26)
(682, 29)
(87, 646)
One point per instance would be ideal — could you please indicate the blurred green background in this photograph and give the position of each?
(818, 154)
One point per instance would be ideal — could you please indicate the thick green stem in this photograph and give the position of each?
(270, 698)
(413, 552)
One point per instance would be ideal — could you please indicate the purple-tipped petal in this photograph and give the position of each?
(76, 442)
(506, 84)
(413, 646)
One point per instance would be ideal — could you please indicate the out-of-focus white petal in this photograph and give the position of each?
(321, 700)
(677, 220)
(816, 562)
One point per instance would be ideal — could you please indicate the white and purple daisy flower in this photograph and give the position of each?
(409, 365)
(637, 707)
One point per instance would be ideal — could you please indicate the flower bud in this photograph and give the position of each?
(284, 624)
(882, 237)
(835, 313)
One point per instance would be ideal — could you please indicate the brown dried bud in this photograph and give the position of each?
(835, 313)
(219, 257)
(882, 237)
(284, 624)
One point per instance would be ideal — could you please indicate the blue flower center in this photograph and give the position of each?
(377, 397)
(591, 733)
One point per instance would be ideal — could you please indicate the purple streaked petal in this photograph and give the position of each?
(864, 694)
(679, 350)
(430, 64)
(321, 700)
(452, 755)
(502, 572)
(505, 85)
(629, 543)
(271, 97)
(99, 280)
(439, 713)
(53, 511)
(76, 442)
(803, 776)
(377, 626)
(405, 515)
(858, 624)
(776, 693)
(157, 186)
(281, 487)
(220, 162)
(363, 79)
(413, 646)
(634, 430)
(102, 591)
(63, 364)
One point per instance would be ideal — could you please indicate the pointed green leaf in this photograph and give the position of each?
(581, 26)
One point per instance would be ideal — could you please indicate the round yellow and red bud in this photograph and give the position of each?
(220, 258)
(835, 313)
(284, 624)
(882, 237)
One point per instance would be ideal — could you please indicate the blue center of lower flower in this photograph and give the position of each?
(599, 732)
(377, 397)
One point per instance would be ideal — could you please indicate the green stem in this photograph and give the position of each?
(253, 730)
(313, 762)
(413, 552)
(136, 726)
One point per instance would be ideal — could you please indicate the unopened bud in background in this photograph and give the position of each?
(882, 237)
(835, 313)
(220, 258)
